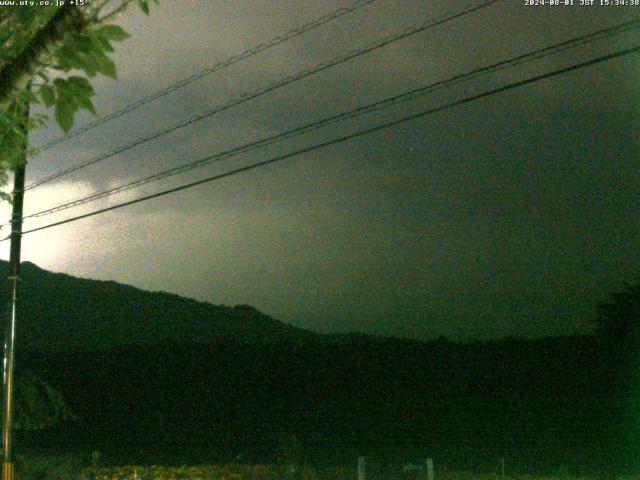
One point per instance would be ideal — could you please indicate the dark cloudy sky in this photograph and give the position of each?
(514, 214)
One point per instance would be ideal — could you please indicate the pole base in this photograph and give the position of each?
(7, 471)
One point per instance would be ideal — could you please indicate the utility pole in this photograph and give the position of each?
(15, 76)
(12, 318)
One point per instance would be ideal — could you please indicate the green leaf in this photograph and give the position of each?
(85, 103)
(68, 58)
(107, 67)
(86, 62)
(48, 95)
(82, 43)
(43, 76)
(80, 86)
(89, 66)
(64, 115)
(113, 32)
(28, 96)
(102, 43)
(61, 84)
(144, 6)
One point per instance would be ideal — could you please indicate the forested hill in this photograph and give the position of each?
(544, 404)
(156, 378)
(61, 312)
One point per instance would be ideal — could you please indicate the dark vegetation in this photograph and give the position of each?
(154, 378)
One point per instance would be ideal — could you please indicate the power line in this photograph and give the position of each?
(271, 87)
(375, 106)
(262, 91)
(274, 42)
(344, 138)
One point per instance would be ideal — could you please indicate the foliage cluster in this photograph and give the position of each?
(619, 318)
(39, 405)
(58, 74)
(50, 467)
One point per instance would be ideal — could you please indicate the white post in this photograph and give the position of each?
(361, 468)
(430, 469)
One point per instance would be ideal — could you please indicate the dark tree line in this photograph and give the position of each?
(565, 403)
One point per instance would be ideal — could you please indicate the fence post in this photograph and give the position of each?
(361, 468)
(430, 469)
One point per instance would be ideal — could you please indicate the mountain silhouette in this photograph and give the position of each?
(154, 377)
(61, 312)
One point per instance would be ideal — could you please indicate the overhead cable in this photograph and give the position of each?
(262, 91)
(318, 22)
(375, 106)
(536, 78)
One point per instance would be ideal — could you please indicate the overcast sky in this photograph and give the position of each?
(512, 215)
